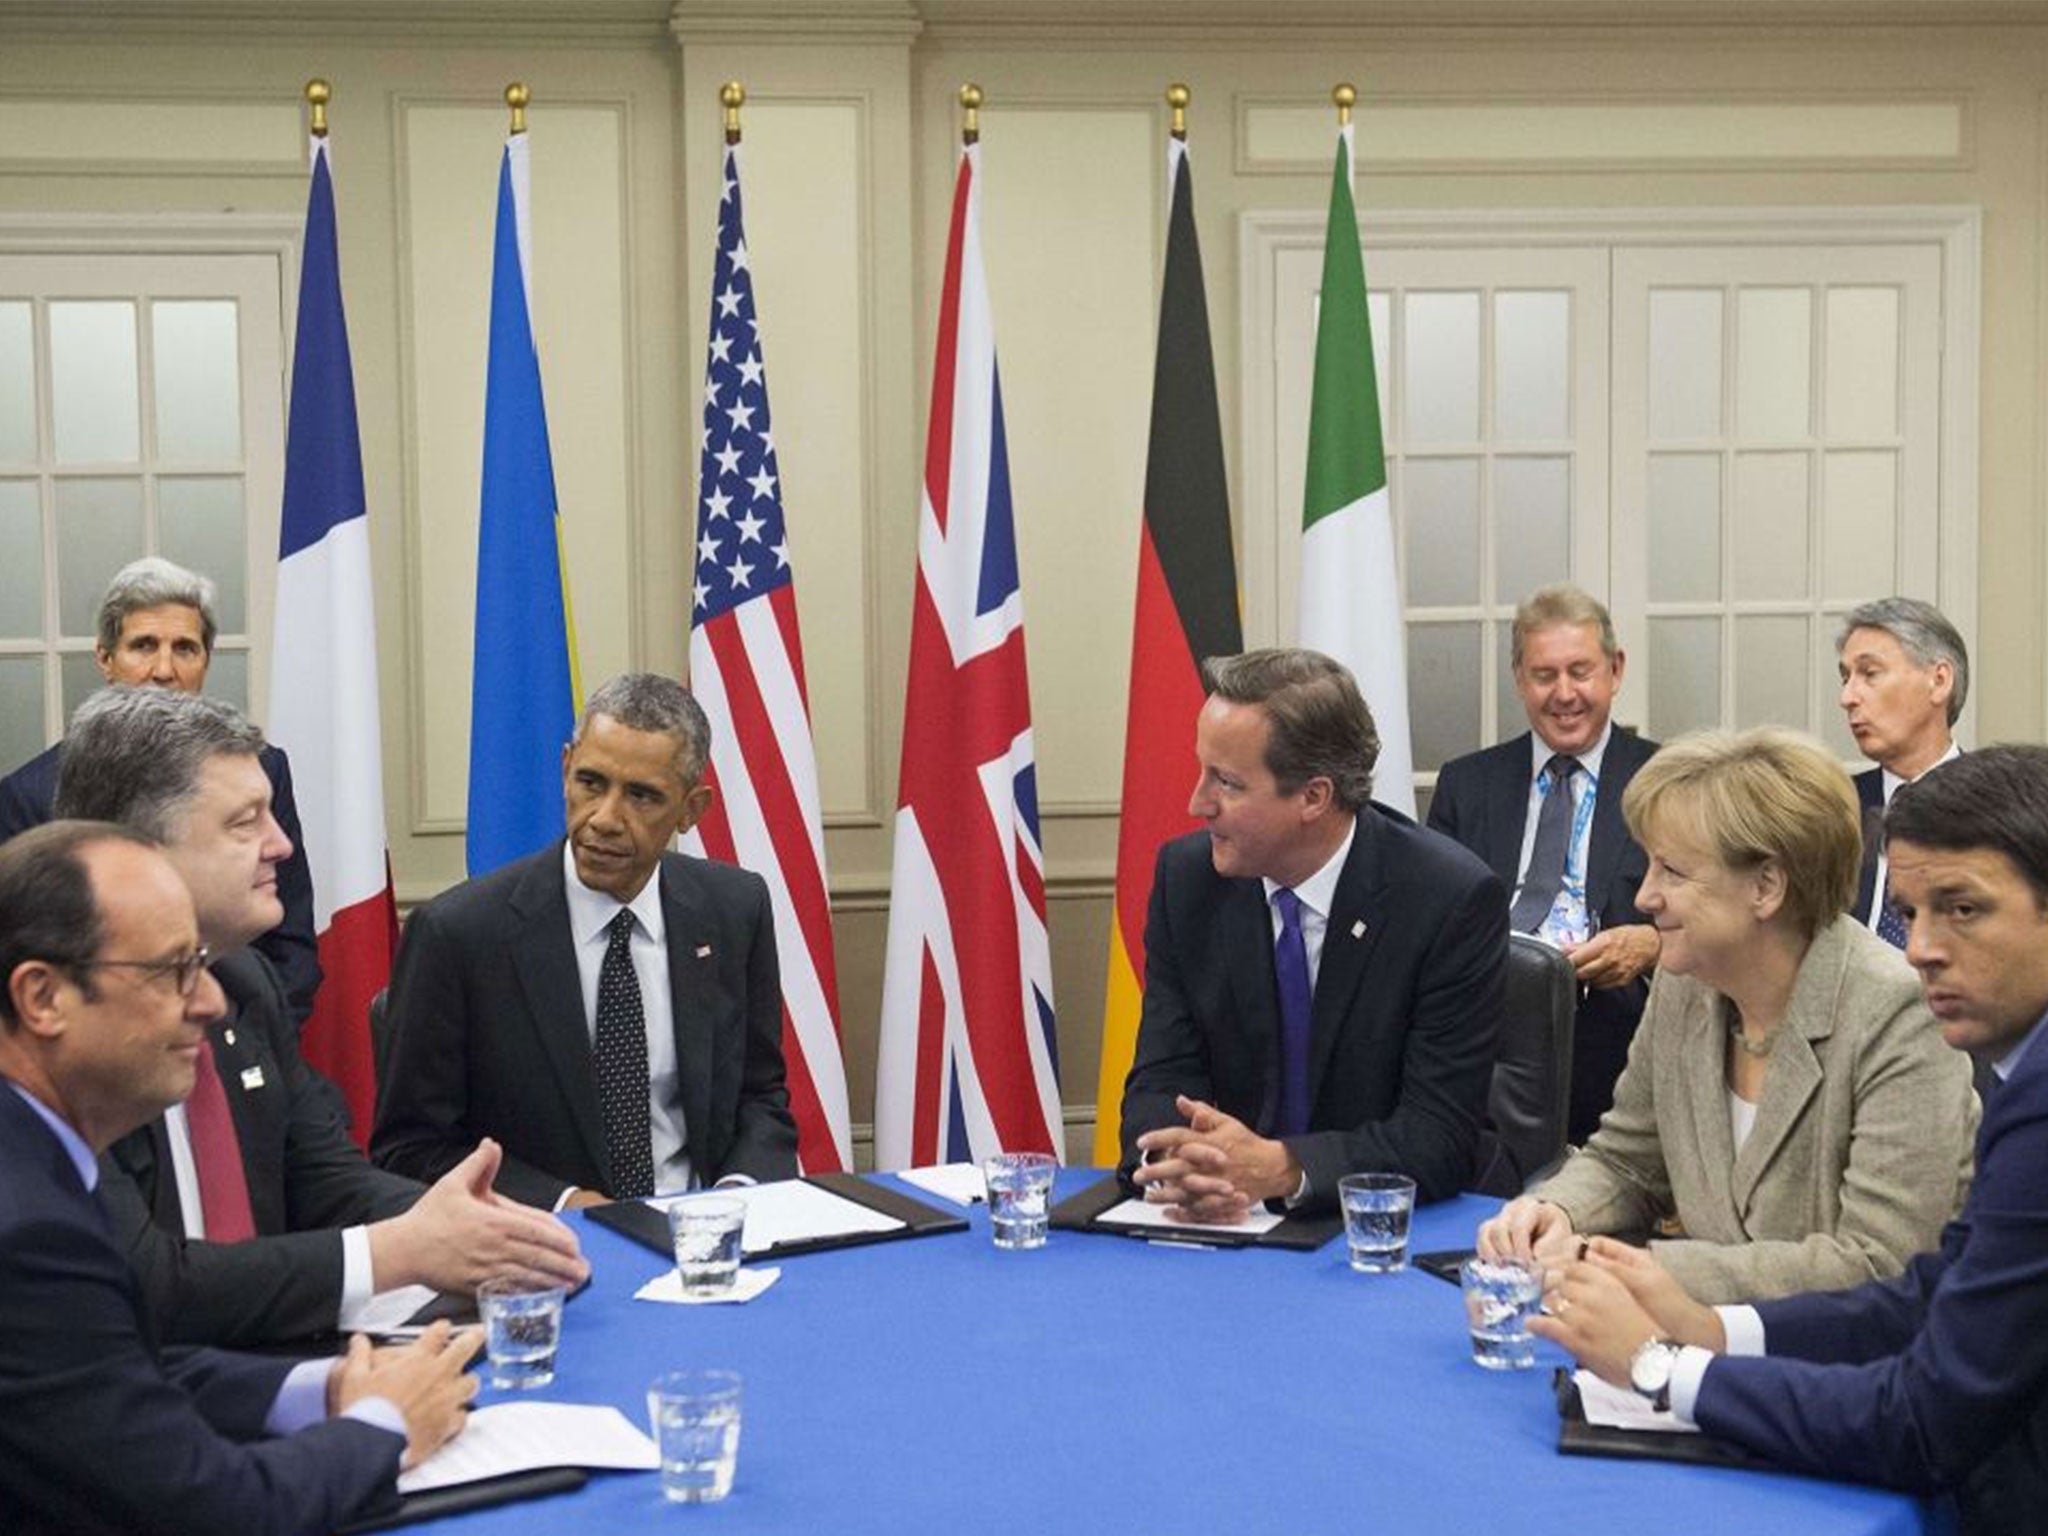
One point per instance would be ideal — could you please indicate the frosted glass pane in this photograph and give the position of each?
(1773, 676)
(1859, 527)
(1440, 367)
(1768, 552)
(1834, 725)
(1685, 683)
(1685, 363)
(1532, 509)
(17, 384)
(93, 407)
(1443, 692)
(198, 381)
(21, 561)
(1440, 511)
(81, 679)
(1379, 310)
(1509, 718)
(1532, 386)
(1774, 368)
(200, 525)
(1863, 362)
(21, 710)
(99, 530)
(1684, 519)
(228, 677)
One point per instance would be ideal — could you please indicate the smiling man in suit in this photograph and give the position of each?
(1322, 977)
(608, 1010)
(1567, 857)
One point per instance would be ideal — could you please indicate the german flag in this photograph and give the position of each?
(1187, 609)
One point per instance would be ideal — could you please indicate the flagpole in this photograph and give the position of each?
(970, 113)
(1177, 97)
(1345, 95)
(516, 97)
(732, 96)
(318, 94)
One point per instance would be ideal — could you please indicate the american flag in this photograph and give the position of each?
(747, 670)
(968, 1061)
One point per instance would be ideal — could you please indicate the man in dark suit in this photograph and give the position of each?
(1905, 675)
(1576, 887)
(1322, 977)
(609, 1011)
(156, 629)
(104, 1002)
(1936, 1380)
(248, 1214)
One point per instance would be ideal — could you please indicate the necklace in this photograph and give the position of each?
(1757, 1048)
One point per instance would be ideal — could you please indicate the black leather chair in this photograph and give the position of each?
(1529, 1104)
(380, 1035)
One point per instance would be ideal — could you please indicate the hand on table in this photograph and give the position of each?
(1213, 1169)
(1534, 1231)
(1657, 1291)
(426, 1381)
(462, 1232)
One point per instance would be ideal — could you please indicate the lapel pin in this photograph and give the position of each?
(1358, 929)
(252, 1079)
(703, 951)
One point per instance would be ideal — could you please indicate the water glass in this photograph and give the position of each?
(522, 1328)
(707, 1231)
(1376, 1211)
(1500, 1298)
(1019, 1197)
(696, 1418)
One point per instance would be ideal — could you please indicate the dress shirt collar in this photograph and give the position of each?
(591, 912)
(73, 1144)
(1892, 781)
(2009, 1062)
(1319, 890)
(1540, 754)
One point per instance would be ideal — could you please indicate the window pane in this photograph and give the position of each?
(228, 677)
(93, 382)
(1860, 527)
(1685, 363)
(81, 677)
(1863, 362)
(1440, 509)
(1684, 517)
(1834, 725)
(1443, 692)
(1532, 365)
(1685, 688)
(17, 384)
(21, 710)
(1772, 680)
(1509, 718)
(198, 381)
(200, 525)
(1774, 348)
(1532, 510)
(1440, 368)
(1768, 552)
(1380, 312)
(99, 530)
(21, 561)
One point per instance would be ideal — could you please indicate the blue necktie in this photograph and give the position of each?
(1551, 852)
(1290, 966)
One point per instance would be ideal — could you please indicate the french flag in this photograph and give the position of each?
(323, 687)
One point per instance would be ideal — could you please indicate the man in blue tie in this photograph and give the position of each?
(1322, 977)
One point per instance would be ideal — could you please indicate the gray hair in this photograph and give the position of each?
(1318, 725)
(1924, 634)
(1561, 604)
(153, 582)
(647, 701)
(134, 756)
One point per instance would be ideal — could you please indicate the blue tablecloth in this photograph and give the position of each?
(1106, 1384)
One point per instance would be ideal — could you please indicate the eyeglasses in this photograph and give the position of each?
(184, 968)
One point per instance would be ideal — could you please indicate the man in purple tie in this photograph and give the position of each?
(1322, 977)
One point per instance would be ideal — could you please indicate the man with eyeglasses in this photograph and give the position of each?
(249, 1215)
(104, 1004)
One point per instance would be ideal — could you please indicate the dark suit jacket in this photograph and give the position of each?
(307, 1180)
(25, 797)
(1402, 1027)
(489, 1037)
(1937, 1379)
(100, 1433)
(1870, 801)
(1482, 800)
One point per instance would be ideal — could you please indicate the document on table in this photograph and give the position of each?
(388, 1314)
(522, 1437)
(792, 1211)
(1620, 1408)
(1139, 1213)
(960, 1183)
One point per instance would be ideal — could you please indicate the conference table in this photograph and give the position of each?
(1106, 1383)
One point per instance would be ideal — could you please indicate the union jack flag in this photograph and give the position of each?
(968, 1059)
(747, 670)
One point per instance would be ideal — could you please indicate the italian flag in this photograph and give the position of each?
(1350, 590)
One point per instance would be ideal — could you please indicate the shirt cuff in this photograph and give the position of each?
(358, 1284)
(1300, 1192)
(302, 1400)
(1687, 1372)
(378, 1413)
(735, 1181)
(1744, 1327)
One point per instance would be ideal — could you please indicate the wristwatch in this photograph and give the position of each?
(1649, 1371)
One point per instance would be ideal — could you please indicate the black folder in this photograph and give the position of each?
(1575, 1437)
(1083, 1212)
(462, 1497)
(648, 1225)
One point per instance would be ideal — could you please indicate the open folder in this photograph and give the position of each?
(900, 1216)
(1094, 1209)
(1577, 1437)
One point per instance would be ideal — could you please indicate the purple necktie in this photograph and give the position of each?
(1290, 966)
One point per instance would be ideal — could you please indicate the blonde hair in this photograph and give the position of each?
(1755, 796)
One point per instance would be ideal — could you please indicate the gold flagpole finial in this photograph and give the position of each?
(1177, 97)
(516, 97)
(970, 113)
(732, 95)
(1346, 97)
(318, 94)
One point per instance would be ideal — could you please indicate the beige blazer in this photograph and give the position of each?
(1860, 1151)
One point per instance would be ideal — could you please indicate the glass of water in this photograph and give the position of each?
(708, 1232)
(1376, 1211)
(522, 1328)
(1019, 1197)
(696, 1418)
(1500, 1298)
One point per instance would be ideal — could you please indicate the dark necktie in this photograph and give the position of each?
(1290, 966)
(620, 1057)
(1553, 846)
(217, 1157)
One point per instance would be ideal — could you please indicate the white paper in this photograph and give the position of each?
(746, 1285)
(386, 1313)
(958, 1182)
(1140, 1213)
(1621, 1408)
(522, 1437)
(791, 1211)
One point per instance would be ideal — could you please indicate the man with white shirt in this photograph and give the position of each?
(1905, 676)
(610, 1011)
(248, 1214)
(1322, 977)
(1936, 1381)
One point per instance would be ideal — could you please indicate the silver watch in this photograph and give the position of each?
(1650, 1368)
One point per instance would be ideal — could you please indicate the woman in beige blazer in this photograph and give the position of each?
(1789, 1113)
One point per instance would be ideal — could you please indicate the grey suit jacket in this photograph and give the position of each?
(1859, 1154)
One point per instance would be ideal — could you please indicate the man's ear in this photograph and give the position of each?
(33, 988)
(1317, 796)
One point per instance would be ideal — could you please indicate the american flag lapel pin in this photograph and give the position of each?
(252, 1079)
(703, 951)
